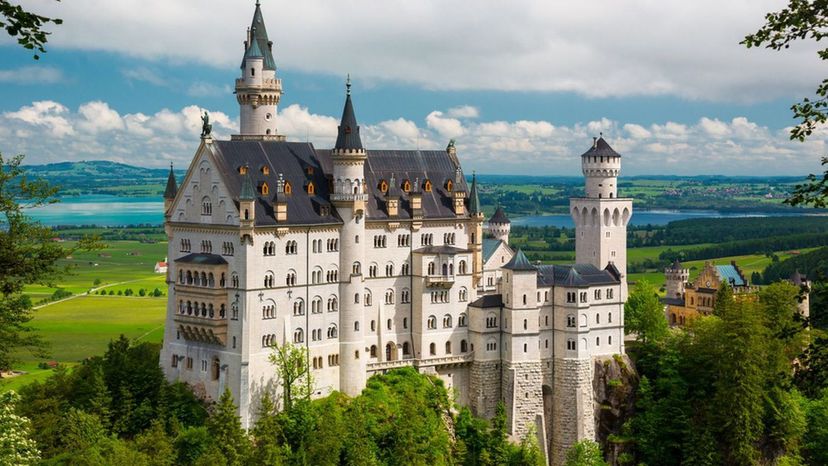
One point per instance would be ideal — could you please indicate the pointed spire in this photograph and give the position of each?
(247, 191)
(348, 137)
(261, 45)
(474, 199)
(520, 262)
(500, 217)
(172, 188)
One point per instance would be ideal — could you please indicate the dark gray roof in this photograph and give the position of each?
(201, 258)
(673, 301)
(676, 265)
(441, 250)
(499, 217)
(260, 43)
(520, 263)
(172, 188)
(411, 165)
(600, 148)
(292, 159)
(489, 300)
(474, 199)
(797, 278)
(490, 245)
(348, 131)
(577, 275)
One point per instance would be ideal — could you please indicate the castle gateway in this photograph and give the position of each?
(377, 259)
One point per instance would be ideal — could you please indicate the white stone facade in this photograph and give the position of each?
(366, 295)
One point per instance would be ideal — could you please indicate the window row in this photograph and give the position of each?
(206, 279)
(432, 348)
(380, 241)
(431, 323)
(197, 309)
(333, 360)
(570, 319)
(583, 295)
(447, 268)
(215, 367)
(206, 246)
(227, 248)
(448, 238)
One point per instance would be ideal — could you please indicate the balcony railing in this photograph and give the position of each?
(440, 281)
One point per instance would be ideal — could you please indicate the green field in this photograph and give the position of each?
(83, 325)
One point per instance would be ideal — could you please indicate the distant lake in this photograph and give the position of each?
(107, 210)
(101, 209)
(648, 217)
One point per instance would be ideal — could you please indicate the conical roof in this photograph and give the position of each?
(259, 40)
(500, 217)
(474, 199)
(348, 136)
(247, 192)
(520, 262)
(172, 188)
(600, 148)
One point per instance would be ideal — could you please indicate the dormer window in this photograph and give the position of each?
(449, 185)
(347, 130)
(311, 188)
(406, 186)
(383, 186)
(309, 171)
(427, 186)
(265, 170)
(243, 170)
(264, 189)
(288, 187)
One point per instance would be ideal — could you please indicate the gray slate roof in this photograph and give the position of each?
(490, 245)
(600, 148)
(201, 258)
(474, 198)
(578, 275)
(172, 188)
(348, 130)
(520, 263)
(289, 158)
(489, 300)
(260, 41)
(499, 217)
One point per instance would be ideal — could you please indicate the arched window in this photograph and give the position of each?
(298, 336)
(264, 189)
(216, 368)
(389, 296)
(463, 294)
(406, 186)
(299, 307)
(461, 320)
(427, 186)
(431, 268)
(461, 268)
(406, 349)
(311, 188)
(491, 320)
(383, 186)
(288, 188)
(206, 206)
(447, 321)
(464, 346)
(449, 185)
(368, 299)
(570, 321)
(448, 347)
(332, 332)
(373, 351)
(432, 322)
(333, 304)
(432, 349)
(356, 269)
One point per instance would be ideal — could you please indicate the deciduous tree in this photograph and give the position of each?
(25, 26)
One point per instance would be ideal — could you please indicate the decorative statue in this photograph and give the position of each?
(206, 127)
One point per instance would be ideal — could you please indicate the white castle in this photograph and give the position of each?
(376, 259)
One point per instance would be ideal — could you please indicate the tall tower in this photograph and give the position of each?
(676, 278)
(601, 217)
(349, 197)
(500, 225)
(476, 236)
(258, 90)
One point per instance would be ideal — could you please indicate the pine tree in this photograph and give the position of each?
(226, 431)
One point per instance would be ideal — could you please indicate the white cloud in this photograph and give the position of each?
(598, 48)
(32, 75)
(49, 132)
(145, 74)
(464, 111)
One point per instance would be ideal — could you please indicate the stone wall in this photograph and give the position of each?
(484, 388)
(522, 382)
(614, 386)
(572, 411)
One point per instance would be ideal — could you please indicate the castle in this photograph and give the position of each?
(376, 259)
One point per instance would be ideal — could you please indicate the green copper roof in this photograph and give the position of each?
(258, 31)
(247, 192)
(520, 263)
(253, 51)
(474, 199)
(172, 188)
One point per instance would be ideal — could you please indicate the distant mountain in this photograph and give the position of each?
(103, 177)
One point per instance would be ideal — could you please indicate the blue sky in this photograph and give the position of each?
(522, 87)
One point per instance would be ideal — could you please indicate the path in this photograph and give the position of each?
(89, 293)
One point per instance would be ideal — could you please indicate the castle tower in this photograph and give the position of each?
(258, 90)
(521, 375)
(349, 197)
(601, 217)
(676, 277)
(500, 225)
(804, 297)
(476, 236)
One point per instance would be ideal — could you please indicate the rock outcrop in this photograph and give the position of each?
(614, 385)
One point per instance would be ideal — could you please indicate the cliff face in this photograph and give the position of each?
(614, 385)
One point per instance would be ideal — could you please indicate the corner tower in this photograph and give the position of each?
(500, 225)
(349, 197)
(676, 277)
(601, 217)
(258, 90)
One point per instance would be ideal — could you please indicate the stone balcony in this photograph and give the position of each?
(269, 84)
(183, 291)
(440, 281)
(202, 329)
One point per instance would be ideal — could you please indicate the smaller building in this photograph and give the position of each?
(161, 267)
(685, 300)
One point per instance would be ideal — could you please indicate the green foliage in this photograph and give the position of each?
(25, 26)
(815, 444)
(16, 443)
(644, 313)
(292, 373)
(585, 453)
(226, 431)
(812, 373)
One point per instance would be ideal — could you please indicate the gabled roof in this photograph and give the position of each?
(488, 301)
(731, 275)
(348, 131)
(490, 245)
(172, 188)
(258, 33)
(520, 263)
(201, 258)
(499, 217)
(600, 148)
(578, 275)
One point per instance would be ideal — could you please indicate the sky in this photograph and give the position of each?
(522, 86)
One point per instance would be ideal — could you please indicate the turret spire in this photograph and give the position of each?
(348, 137)
(474, 199)
(172, 187)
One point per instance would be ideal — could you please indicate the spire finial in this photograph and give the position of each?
(171, 166)
(257, 2)
(348, 85)
(601, 134)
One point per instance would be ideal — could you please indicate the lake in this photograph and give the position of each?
(107, 210)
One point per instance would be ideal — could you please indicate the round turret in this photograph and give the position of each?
(601, 166)
(676, 277)
(500, 225)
